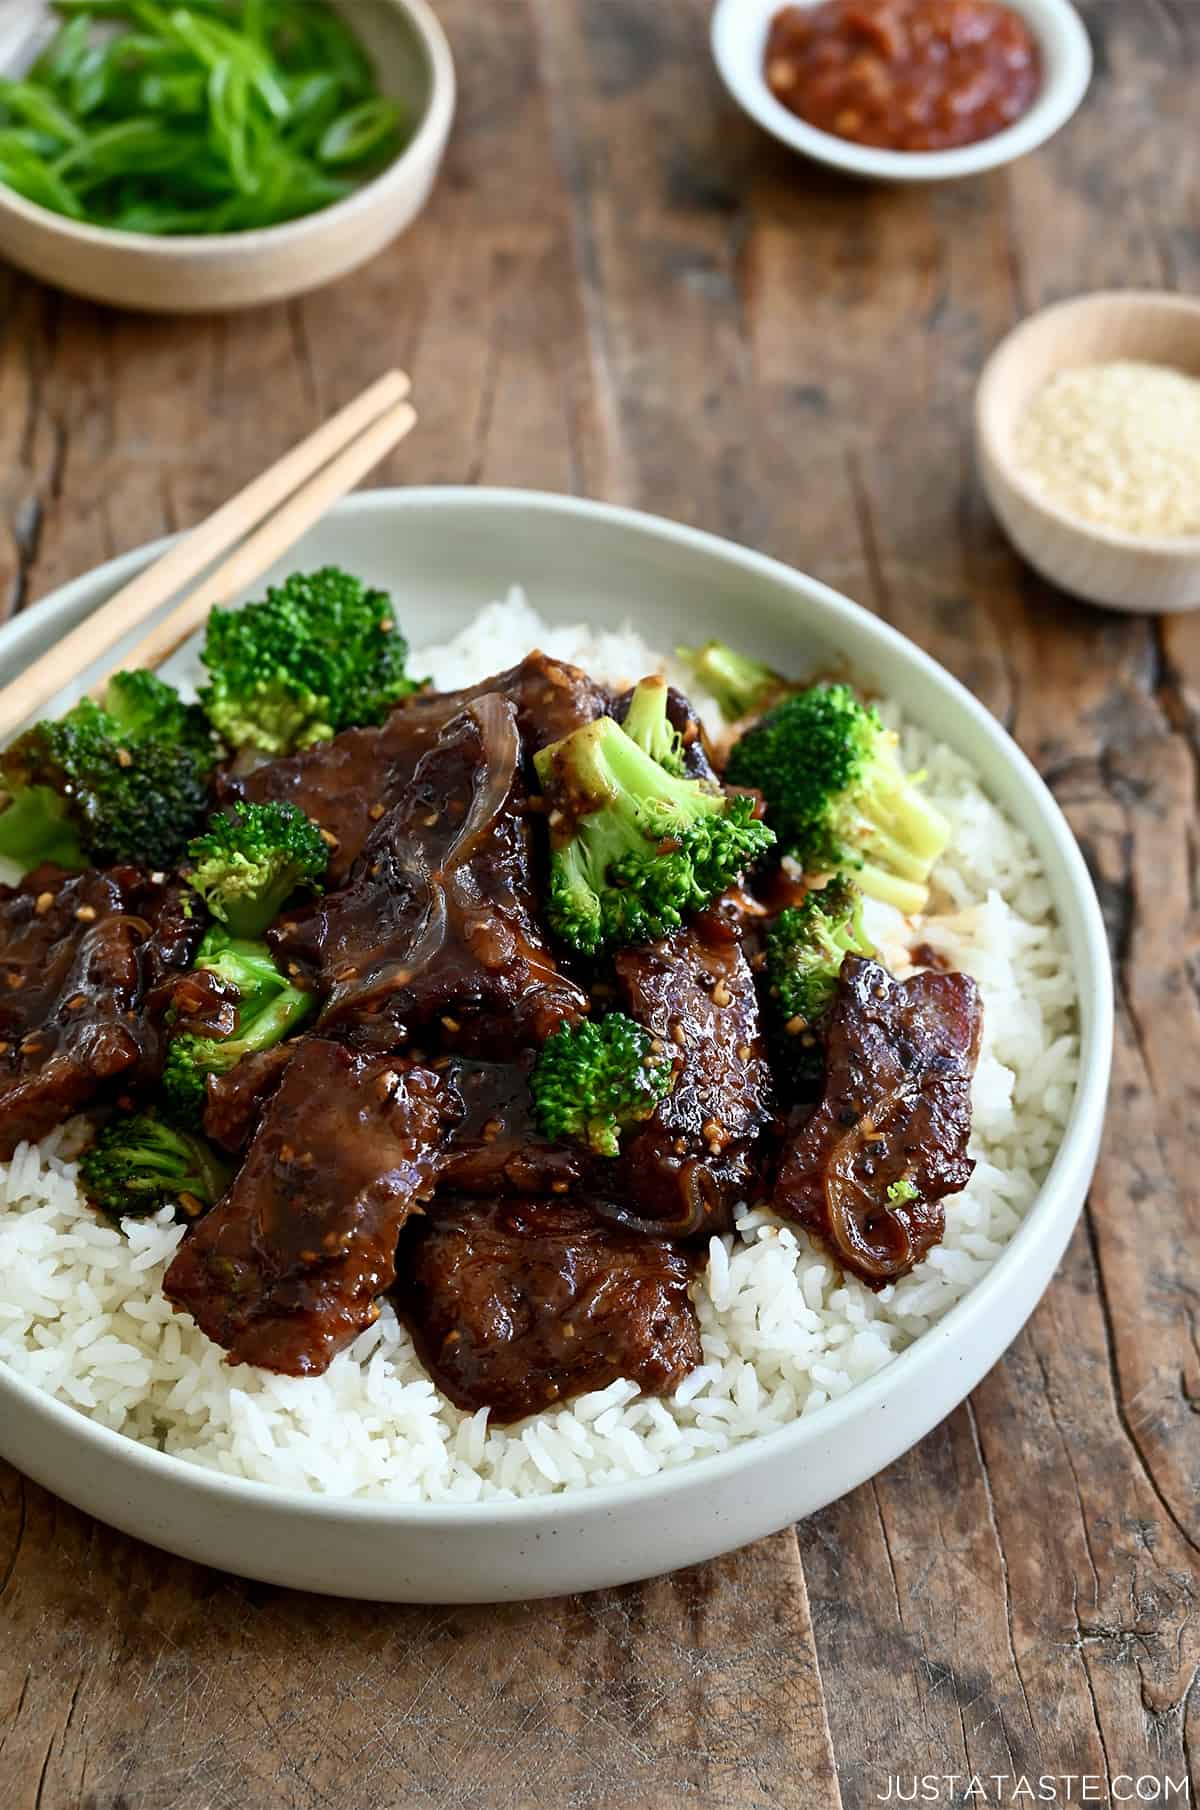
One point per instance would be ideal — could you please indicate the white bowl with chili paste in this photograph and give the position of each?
(905, 90)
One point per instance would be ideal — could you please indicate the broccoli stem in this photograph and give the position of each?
(900, 836)
(609, 767)
(646, 722)
(905, 828)
(740, 685)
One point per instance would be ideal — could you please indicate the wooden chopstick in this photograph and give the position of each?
(131, 605)
(272, 540)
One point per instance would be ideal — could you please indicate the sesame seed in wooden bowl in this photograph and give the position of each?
(1087, 425)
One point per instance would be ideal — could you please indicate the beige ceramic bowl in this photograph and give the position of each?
(1121, 571)
(190, 275)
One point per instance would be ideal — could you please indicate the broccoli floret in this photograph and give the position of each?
(837, 796)
(646, 722)
(320, 653)
(146, 708)
(634, 847)
(269, 1009)
(124, 781)
(741, 686)
(806, 946)
(139, 1164)
(593, 1080)
(248, 864)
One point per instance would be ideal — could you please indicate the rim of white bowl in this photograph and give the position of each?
(738, 39)
(1007, 352)
(431, 133)
(1069, 1172)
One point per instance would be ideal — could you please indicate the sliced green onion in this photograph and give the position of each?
(361, 132)
(195, 116)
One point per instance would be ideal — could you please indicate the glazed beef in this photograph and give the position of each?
(86, 962)
(346, 785)
(697, 1156)
(286, 1268)
(436, 925)
(234, 1101)
(896, 1115)
(495, 1146)
(518, 1304)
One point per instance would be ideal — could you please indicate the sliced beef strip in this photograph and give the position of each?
(86, 965)
(896, 1110)
(234, 1101)
(684, 1171)
(495, 1146)
(347, 784)
(436, 926)
(286, 1269)
(516, 1305)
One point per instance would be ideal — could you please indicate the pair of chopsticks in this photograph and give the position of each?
(260, 523)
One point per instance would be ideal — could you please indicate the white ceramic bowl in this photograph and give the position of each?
(220, 271)
(740, 29)
(444, 553)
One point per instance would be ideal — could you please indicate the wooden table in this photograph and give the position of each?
(623, 289)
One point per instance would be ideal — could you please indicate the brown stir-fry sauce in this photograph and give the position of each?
(393, 1144)
(436, 926)
(868, 1170)
(904, 75)
(520, 1304)
(289, 1267)
(85, 961)
(347, 785)
(683, 1173)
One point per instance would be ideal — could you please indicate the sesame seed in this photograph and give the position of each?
(44, 901)
(86, 914)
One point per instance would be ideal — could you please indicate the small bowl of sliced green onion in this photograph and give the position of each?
(188, 155)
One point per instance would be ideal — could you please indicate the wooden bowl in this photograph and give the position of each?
(1121, 571)
(220, 271)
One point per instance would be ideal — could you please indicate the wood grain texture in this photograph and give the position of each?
(623, 289)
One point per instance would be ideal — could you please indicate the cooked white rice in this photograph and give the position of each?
(82, 1314)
